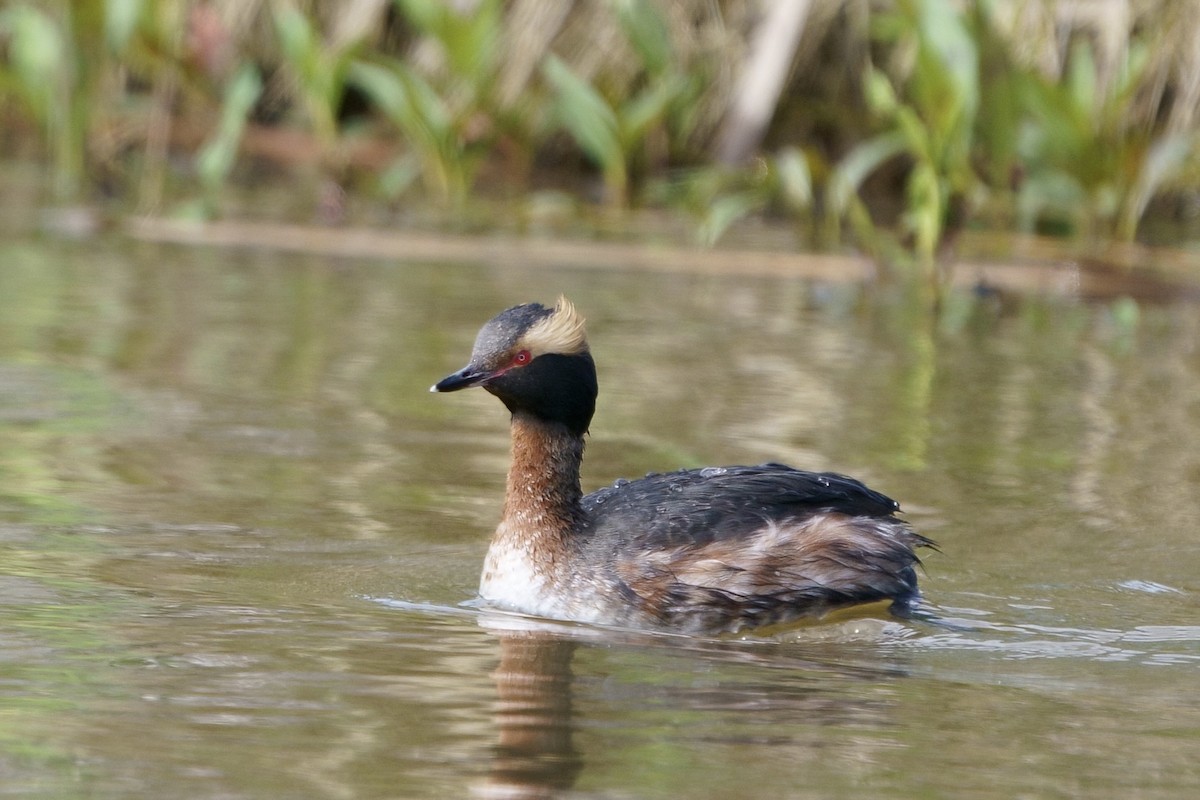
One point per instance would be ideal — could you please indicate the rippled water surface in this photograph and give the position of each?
(238, 537)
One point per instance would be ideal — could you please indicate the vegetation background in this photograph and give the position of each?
(887, 124)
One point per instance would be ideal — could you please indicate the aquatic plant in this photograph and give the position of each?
(448, 127)
(42, 72)
(215, 161)
(929, 116)
(978, 113)
(718, 197)
(1088, 162)
(318, 66)
(106, 84)
(612, 132)
(1064, 149)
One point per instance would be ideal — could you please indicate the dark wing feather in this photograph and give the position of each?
(699, 506)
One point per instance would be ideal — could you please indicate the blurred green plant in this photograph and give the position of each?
(930, 118)
(215, 161)
(1066, 152)
(468, 34)
(718, 197)
(319, 66)
(613, 132)
(449, 128)
(96, 78)
(1087, 161)
(975, 127)
(42, 71)
(843, 185)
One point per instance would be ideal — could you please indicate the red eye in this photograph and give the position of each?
(522, 358)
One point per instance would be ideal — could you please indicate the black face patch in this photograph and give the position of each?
(556, 388)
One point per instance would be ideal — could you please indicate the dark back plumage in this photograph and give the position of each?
(695, 548)
(700, 506)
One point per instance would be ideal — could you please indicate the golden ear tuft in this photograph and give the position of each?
(562, 332)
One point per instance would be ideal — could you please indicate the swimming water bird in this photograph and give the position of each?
(701, 551)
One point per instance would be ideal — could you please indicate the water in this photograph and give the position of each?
(237, 537)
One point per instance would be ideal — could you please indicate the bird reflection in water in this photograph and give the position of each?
(534, 756)
(814, 673)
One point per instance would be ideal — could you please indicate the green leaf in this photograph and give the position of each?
(586, 116)
(215, 161)
(725, 211)
(917, 134)
(37, 51)
(298, 40)
(417, 110)
(1052, 190)
(471, 41)
(390, 92)
(427, 104)
(383, 86)
(795, 178)
(406, 98)
(1163, 159)
(860, 162)
(924, 212)
(944, 33)
(647, 32)
(425, 14)
(1125, 315)
(1081, 80)
(400, 176)
(120, 21)
(879, 93)
(648, 108)
(468, 33)
(1129, 73)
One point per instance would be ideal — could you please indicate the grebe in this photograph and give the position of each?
(701, 551)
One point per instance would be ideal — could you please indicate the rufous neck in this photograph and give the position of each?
(543, 490)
